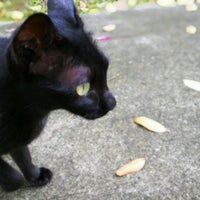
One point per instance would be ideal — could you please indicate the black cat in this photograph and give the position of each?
(50, 62)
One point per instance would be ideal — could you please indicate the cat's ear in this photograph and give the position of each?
(63, 13)
(62, 10)
(32, 38)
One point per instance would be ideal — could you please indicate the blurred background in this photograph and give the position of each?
(17, 10)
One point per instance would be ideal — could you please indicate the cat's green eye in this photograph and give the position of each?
(83, 89)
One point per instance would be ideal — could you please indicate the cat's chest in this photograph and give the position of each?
(31, 129)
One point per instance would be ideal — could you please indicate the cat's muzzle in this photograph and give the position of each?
(107, 104)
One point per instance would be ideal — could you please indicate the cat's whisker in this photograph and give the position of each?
(114, 77)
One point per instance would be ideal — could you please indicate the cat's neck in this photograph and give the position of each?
(4, 42)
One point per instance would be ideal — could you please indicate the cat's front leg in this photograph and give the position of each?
(36, 176)
(10, 179)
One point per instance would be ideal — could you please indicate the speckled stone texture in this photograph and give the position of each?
(150, 54)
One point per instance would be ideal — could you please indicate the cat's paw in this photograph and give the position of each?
(14, 182)
(44, 177)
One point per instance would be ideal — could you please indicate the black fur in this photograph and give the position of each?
(41, 65)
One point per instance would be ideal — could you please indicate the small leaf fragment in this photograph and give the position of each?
(132, 3)
(131, 167)
(150, 124)
(109, 28)
(36, 8)
(17, 15)
(111, 8)
(195, 85)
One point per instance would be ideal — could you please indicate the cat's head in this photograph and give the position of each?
(55, 55)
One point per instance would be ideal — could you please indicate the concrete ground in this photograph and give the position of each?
(150, 54)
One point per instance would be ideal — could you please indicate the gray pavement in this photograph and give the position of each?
(150, 55)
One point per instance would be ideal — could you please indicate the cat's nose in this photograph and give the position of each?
(110, 100)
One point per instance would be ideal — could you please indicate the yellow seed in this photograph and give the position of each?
(191, 7)
(184, 2)
(195, 85)
(150, 124)
(109, 28)
(191, 29)
(131, 167)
